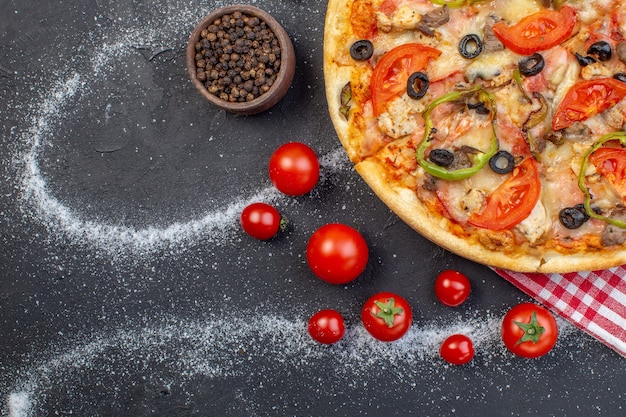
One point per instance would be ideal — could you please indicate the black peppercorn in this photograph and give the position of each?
(238, 57)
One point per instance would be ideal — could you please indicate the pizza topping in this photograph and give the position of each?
(441, 157)
(392, 72)
(536, 225)
(345, 99)
(502, 162)
(512, 201)
(584, 60)
(532, 65)
(470, 46)
(620, 76)
(539, 115)
(362, 50)
(495, 67)
(491, 43)
(436, 17)
(537, 32)
(595, 70)
(587, 98)
(403, 18)
(620, 50)
(614, 234)
(601, 49)
(417, 85)
(361, 18)
(573, 217)
(400, 118)
(610, 163)
(479, 158)
(479, 107)
(455, 3)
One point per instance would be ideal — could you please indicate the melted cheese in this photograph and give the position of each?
(536, 225)
(513, 11)
(399, 119)
(496, 67)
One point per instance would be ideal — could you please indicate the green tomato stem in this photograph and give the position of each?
(532, 330)
(388, 311)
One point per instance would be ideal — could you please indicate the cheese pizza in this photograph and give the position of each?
(496, 129)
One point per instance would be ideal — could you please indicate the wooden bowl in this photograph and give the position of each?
(283, 79)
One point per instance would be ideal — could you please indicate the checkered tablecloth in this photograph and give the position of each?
(593, 301)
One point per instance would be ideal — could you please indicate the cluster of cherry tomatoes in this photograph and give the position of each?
(338, 254)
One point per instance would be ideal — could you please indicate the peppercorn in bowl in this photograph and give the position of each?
(241, 59)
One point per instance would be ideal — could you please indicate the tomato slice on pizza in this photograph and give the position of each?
(538, 31)
(513, 200)
(393, 70)
(586, 99)
(610, 163)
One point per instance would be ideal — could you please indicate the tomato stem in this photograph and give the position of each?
(388, 311)
(532, 330)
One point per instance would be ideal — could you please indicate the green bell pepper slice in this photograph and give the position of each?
(619, 136)
(480, 159)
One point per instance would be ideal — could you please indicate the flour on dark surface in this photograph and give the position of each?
(178, 353)
(138, 303)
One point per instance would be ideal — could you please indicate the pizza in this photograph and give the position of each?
(495, 129)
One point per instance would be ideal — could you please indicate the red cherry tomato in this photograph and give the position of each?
(392, 72)
(513, 200)
(387, 316)
(457, 349)
(327, 326)
(586, 99)
(452, 288)
(337, 253)
(529, 330)
(611, 164)
(294, 168)
(538, 31)
(260, 220)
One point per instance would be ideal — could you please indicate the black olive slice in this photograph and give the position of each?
(502, 162)
(479, 108)
(620, 76)
(441, 157)
(531, 65)
(417, 85)
(602, 50)
(362, 50)
(573, 217)
(584, 60)
(470, 46)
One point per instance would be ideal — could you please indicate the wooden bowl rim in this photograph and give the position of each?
(285, 74)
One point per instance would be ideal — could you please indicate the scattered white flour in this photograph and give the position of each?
(19, 404)
(61, 220)
(230, 347)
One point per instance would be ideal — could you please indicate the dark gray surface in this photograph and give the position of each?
(175, 311)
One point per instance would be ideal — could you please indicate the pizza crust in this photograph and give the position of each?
(405, 204)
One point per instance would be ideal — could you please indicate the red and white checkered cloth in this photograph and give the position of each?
(593, 301)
